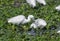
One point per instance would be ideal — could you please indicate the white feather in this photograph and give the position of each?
(58, 31)
(31, 2)
(38, 23)
(57, 8)
(41, 2)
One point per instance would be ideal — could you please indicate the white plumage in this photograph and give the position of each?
(58, 8)
(31, 2)
(38, 23)
(41, 2)
(58, 31)
(20, 19)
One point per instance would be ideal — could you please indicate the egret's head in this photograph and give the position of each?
(31, 17)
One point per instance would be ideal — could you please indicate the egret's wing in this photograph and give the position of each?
(16, 19)
(42, 22)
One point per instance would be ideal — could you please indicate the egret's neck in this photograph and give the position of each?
(27, 20)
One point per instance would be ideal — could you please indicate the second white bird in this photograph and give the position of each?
(38, 23)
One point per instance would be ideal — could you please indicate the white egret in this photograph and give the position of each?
(31, 2)
(38, 23)
(41, 2)
(20, 19)
(57, 8)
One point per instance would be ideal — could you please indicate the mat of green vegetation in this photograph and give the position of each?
(10, 32)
